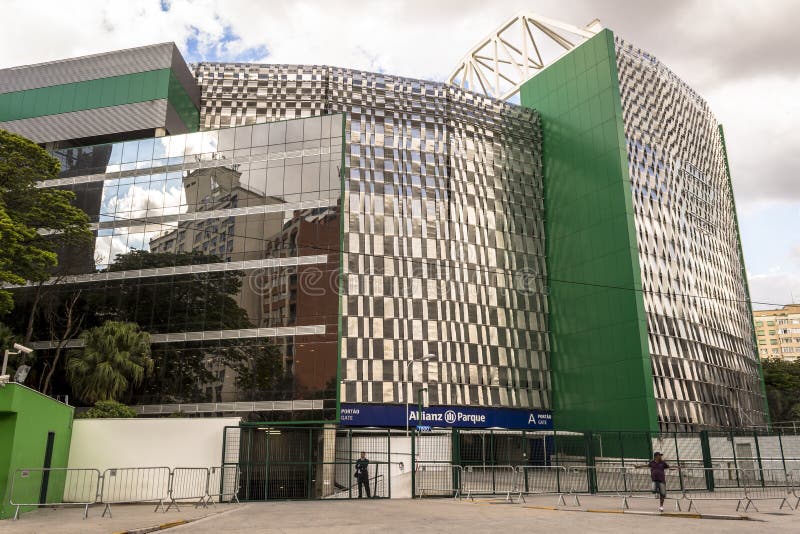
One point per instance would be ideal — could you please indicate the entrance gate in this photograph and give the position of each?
(291, 462)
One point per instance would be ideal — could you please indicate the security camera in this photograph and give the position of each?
(22, 348)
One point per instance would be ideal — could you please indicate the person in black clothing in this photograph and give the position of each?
(362, 474)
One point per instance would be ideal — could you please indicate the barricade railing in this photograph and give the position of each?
(794, 480)
(625, 482)
(769, 485)
(376, 485)
(223, 484)
(715, 484)
(543, 480)
(488, 480)
(135, 485)
(129, 485)
(438, 479)
(611, 479)
(188, 484)
(55, 486)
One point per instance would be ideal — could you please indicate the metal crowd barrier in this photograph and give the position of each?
(544, 480)
(135, 485)
(488, 480)
(223, 484)
(56, 487)
(438, 479)
(769, 485)
(794, 480)
(745, 486)
(188, 484)
(129, 485)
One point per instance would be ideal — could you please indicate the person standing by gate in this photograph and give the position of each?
(362, 474)
(657, 467)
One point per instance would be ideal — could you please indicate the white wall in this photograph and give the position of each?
(140, 442)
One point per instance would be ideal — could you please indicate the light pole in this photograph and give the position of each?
(425, 358)
(19, 348)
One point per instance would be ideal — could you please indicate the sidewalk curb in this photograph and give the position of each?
(162, 526)
(679, 515)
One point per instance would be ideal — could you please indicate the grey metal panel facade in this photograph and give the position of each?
(93, 122)
(704, 361)
(105, 65)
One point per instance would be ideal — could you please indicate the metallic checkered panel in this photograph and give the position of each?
(703, 357)
(443, 245)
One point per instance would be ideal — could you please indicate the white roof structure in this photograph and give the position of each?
(520, 47)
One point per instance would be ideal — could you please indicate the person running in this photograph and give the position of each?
(362, 474)
(657, 467)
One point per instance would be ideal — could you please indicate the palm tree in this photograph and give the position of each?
(115, 359)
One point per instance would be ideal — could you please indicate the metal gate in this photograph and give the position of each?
(289, 462)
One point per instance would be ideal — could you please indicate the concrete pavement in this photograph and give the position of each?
(597, 514)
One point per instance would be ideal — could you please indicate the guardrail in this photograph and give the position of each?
(438, 479)
(135, 485)
(688, 484)
(376, 484)
(56, 487)
(223, 483)
(489, 480)
(544, 480)
(188, 484)
(129, 485)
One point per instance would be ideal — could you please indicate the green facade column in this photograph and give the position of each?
(705, 447)
(601, 369)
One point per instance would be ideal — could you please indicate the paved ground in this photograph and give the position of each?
(429, 515)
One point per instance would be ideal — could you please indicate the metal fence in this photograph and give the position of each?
(747, 467)
(55, 487)
(129, 485)
(294, 462)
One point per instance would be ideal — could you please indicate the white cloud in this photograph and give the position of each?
(740, 55)
(773, 289)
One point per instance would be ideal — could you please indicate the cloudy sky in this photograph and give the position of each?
(740, 55)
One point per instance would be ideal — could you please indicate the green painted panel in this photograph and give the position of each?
(182, 104)
(99, 93)
(601, 371)
(26, 417)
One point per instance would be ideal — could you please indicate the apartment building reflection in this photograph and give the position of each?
(289, 294)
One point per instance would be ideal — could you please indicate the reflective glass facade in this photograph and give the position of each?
(443, 238)
(224, 245)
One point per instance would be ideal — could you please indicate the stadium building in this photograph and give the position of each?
(320, 244)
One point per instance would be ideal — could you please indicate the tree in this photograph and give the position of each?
(34, 222)
(782, 381)
(108, 409)
(115, 359)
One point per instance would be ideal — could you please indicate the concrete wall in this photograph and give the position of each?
(170, 442)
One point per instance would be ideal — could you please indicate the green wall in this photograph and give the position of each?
(601, 373)
(26, 416)
(99, 93)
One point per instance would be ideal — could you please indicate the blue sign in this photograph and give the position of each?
(444, 416)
